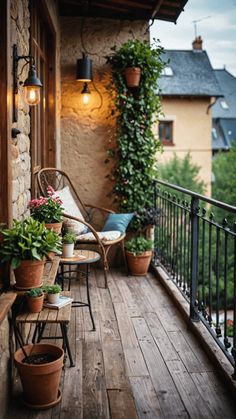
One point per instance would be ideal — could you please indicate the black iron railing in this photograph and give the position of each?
(195, 241)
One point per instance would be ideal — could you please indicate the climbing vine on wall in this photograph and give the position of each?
(135, 111)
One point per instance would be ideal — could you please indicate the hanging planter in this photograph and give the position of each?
(135, 150)
(132, 76)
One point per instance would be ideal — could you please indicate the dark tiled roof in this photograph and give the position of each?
(227, 83)
(218, 140)
(192, 75)
(224, 134)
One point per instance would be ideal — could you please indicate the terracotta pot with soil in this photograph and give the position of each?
(40, 374)
(34, 298)
(56, 227)
(29, 274)
(138, 265)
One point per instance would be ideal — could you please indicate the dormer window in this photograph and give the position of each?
(224, 104)
(167, 71)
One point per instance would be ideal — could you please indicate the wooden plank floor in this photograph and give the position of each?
(141, 362)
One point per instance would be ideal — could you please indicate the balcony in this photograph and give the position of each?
(161, 341)
(142, 360)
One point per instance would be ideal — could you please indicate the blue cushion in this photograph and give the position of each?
(118, 222)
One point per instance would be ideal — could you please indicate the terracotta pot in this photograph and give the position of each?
(29, 274)
(138, 265)
(35, 304)
(54, 226)
(40, 382)
(132, 76)
(68, 250)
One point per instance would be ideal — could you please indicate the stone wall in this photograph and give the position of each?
(21, 177)
(87, 131)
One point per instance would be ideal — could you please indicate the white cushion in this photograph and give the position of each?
(103, 235)
(71, 208)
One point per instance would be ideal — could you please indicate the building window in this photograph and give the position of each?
(224, 104)
(167, 71)
(166, 132)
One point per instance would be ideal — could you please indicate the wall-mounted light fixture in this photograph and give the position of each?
(84, 74)
(32, 84)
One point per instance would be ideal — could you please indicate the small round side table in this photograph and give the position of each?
(68, 266)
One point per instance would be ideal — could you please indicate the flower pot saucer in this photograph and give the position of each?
(26, 288)
(44, 406)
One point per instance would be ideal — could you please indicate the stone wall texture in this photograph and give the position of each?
(88, 130)
(21, 177)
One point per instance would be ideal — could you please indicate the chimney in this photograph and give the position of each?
(197, 44)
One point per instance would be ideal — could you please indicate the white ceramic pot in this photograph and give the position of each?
(53, 298)
(68, 250)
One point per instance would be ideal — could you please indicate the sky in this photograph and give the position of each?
(217, 27)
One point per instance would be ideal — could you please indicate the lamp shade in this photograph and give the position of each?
(84, 69)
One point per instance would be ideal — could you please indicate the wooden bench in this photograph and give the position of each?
(51, 316)
(47, 315)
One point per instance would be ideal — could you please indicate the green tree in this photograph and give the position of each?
(182, 172)
(223, 189)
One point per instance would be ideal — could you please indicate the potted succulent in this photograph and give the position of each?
(133, 59)
(25, 246)
(48, 210)
(53, 293)
(68, 244)
(35, 298)
(138, 254)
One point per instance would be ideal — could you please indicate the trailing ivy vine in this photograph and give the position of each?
(136, 147)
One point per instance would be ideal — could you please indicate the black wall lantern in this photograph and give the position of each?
(84, 69)
(32, 84)
(84, 74)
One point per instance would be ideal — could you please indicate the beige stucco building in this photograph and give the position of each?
(188, 88)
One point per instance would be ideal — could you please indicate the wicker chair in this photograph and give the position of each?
(59, 180)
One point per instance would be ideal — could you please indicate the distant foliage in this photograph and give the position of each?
(224, 186)
(182, 172)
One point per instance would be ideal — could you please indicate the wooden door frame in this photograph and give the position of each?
(5, 125)
(48, 152)
(6, 114)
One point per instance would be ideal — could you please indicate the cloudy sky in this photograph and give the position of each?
(217, 27)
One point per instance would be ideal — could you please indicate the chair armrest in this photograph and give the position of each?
(92, 230)
(100, 208)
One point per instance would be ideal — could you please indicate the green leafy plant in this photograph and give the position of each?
(53, 289)
(47, 209)
(136, 145)
(69, 238)
(27, 240)
(138, 245)
(34, 292)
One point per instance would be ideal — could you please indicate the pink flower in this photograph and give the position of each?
(50, 190)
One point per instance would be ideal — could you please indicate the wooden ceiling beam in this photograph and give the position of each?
(110, 7)
(156, 8)
(134, 4)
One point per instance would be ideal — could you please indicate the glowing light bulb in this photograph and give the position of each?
(86, 98)
(32, 95)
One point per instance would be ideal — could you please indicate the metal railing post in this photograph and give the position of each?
(194, 259)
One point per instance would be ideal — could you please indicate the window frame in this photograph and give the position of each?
(170, 123)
